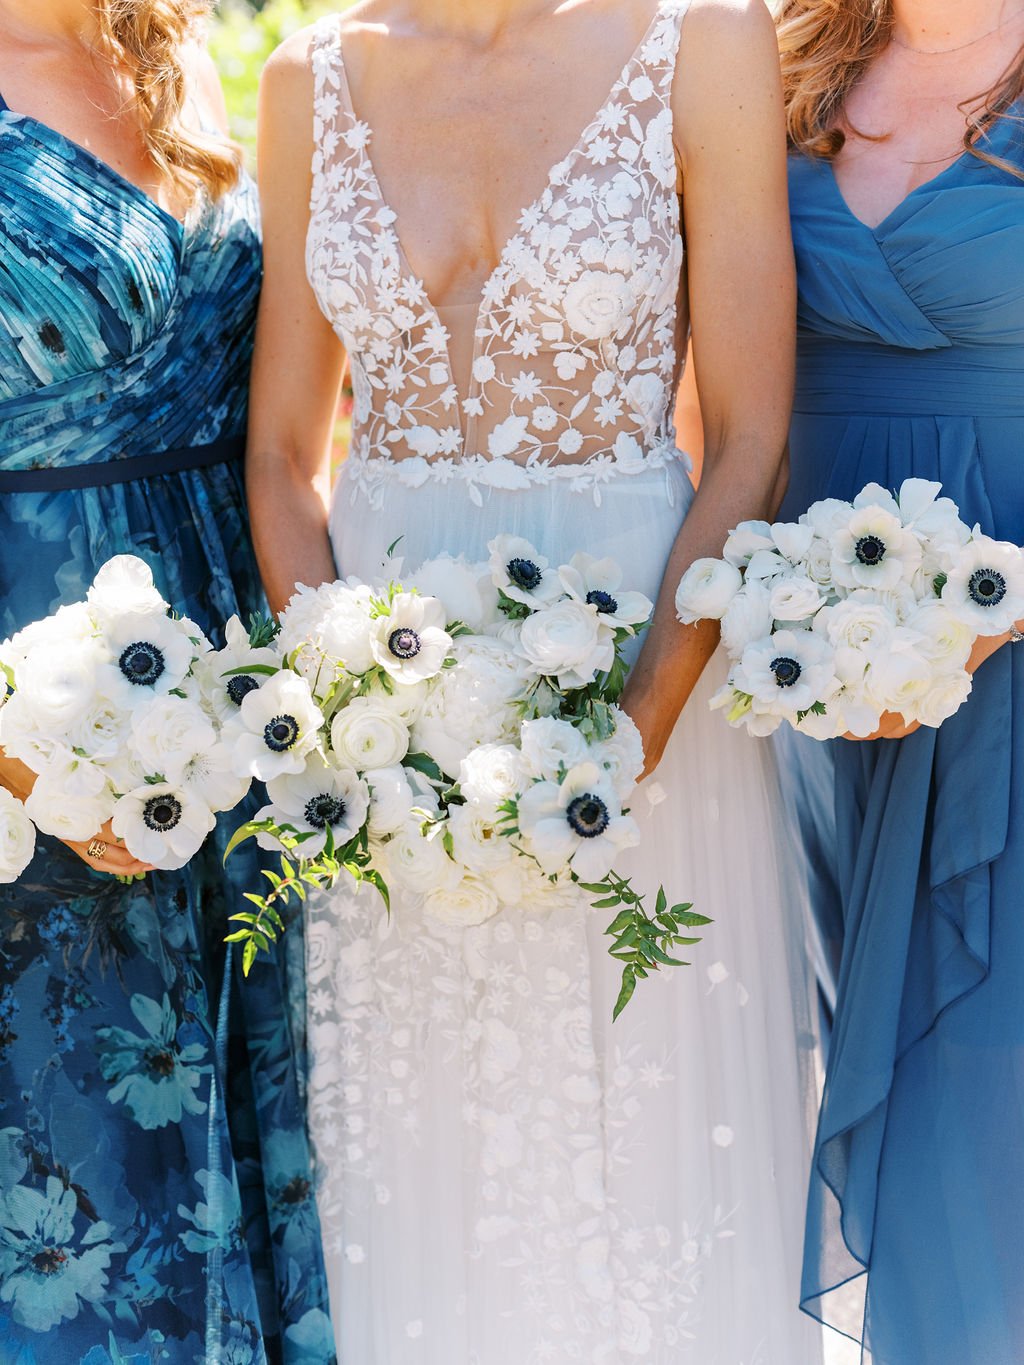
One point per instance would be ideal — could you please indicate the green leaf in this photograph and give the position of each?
(689, 919)
(423, 763)
(626, 993)
(268, 670)
(620, 921)
(660, 903)
(394, 546)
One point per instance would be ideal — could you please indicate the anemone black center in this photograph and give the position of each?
(240, 686)
(588, 815)
(324, 810)
(870, 550)
(787, 671)
(281, 733)
(404, 643)
(161, 1063)
(524, 574)
(162, 813)
(987, 587)
(603, 601)
(142, 663)
(49, 1260)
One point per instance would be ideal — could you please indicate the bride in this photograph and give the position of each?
(506, 1178)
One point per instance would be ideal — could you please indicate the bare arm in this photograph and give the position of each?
(730, 139)
(298, 362)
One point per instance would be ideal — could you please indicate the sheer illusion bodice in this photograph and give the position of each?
(505, 1178)
(571, 357)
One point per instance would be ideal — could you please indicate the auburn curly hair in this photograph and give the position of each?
(826, 45)
(148, 38)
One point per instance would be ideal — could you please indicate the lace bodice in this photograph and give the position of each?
(575, 352)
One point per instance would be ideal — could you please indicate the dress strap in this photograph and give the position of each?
(3, 103)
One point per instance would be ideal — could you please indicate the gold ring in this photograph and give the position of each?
(97, 849)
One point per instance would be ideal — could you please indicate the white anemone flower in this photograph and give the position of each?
(874, 550)
(318, 799)
(277, 728)
(152, 655)
(522, 573)
(228, 675)
(598, 583)
(17, 837)
(986, 588)
(162, 825)
(577, 823)
(789, 671)
(410, 643)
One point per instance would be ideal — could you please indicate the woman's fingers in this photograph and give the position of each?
(106, 853)
(893, 726)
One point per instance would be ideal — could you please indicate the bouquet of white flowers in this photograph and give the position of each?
(116, 705)
(457, 735)
(856, 609)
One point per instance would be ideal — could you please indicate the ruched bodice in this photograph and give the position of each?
(105, 297)
(911, 363)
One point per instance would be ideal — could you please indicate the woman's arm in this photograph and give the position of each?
(731, 142)
(298, 362)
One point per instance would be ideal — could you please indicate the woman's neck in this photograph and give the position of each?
(936, 26)
(477, 20)
(67, 20)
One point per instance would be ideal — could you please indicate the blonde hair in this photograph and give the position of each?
(148, 38)
(826, 46)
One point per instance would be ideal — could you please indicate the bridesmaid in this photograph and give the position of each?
(907, 186)
(134, 1223)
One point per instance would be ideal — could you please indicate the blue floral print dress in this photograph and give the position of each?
(156, 1198)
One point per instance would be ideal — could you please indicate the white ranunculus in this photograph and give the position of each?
(567, 641)
(327, 629)
(151, 654)
(79, 778)
(320, 798)
(872, 550)
(162, 825)
(17, 837)
(817, 563)
(794, 598)
(166, 732)
(410, 643)
(946, 640)
(101, 730)
(277, 728)
(124, 586)
(621, 755)
(901, 675)
(748, 617)
(577, 823)
(473, 703)
(368, 734)
(598, 583)
(521, 572)
(59, 682)
(391, 800)
(71, 818)
(477, 843)
(550, 747)
(470, 902)
(986, 588)
(491, 774)
(224, 686)
(789, 671)
(467, 590)
(746, 540)
(706, 589)
(418, 864)
(944, 697)
(857, 631)
(598, 303)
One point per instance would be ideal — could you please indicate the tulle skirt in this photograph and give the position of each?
(506, 1177)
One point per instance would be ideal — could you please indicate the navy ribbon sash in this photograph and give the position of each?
(103, 474)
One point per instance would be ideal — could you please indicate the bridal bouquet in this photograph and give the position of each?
(119, 709)
(856, 609)
(457, 735)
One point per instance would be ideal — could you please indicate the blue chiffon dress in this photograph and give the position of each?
(156, 1199)
(911, 362)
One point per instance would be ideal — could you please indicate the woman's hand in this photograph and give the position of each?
(116, 860)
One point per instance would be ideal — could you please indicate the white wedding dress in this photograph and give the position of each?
(506, 1177)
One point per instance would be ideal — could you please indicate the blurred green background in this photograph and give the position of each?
(244, 34)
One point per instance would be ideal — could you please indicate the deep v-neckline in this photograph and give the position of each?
(490, 289)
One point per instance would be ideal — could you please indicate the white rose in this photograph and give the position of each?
(597, 304)
(391, 799)
(491, 774)
(477, 844)
(748, 617)
(73, 819)
(945, 639)
(899, 676)
(550, 746)
(419, 864)
(944, 698)
(795, 598)
(706, 590)
(58, 682)
(471, 901)
(567, 641)
(366, 734)
(165, 734)
(467, 590)
(472, 703)
(858, 631)
(125, 585)
(17, 837)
